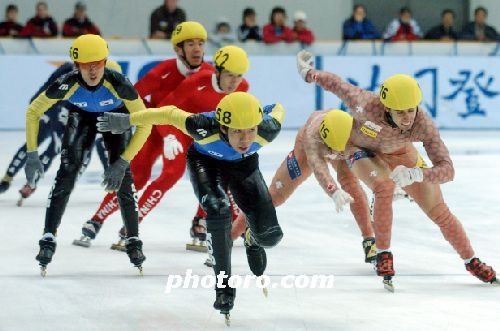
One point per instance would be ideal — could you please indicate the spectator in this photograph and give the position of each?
(300, 31)
(358, 26)
(42, 25)
(403, 28)
(478, 29)
(80, 23)
(444, 31)
(10, 27)
(223, 33)
(249, 30)
(276, 30)
(164, 19)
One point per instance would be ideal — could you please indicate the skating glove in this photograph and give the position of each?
(404, 176)
(33, 168)
(341, 198)
(113, 176)
(171, 147)
(115, 122)
(304, 63)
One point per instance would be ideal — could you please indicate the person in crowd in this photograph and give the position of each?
(249, 30)
(358, 26)
(404, 28)
(276, 30)
(80, 23)
(164, 19)
(443, 31)
(42, 25)
(300, 31)
(10, 27)
(478, 29)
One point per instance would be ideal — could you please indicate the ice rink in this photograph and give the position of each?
(98, 289)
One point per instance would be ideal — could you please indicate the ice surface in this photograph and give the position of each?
(98, 289)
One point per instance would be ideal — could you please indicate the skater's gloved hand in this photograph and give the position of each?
(341, 198)
(113, 176)
(304, 63)
(171, 147)
(404, 176)
(115, 122)
(33, 168)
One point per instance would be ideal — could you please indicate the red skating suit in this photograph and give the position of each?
(153, 87)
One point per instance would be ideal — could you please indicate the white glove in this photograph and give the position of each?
(404, 176)
(341, 198)
(171, 147)
(304, 63)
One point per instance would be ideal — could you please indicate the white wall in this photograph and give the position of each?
(130, 18)
(493, 7)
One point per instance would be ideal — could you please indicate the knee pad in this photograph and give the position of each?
(269, 238)
(216, 207)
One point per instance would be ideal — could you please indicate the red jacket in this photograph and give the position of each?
(196, 94)
(305, 36)
(38, 27)
(270, 36)
(161, 80)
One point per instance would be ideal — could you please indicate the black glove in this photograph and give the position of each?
(113, 176)
(115, 122)
(33, 168)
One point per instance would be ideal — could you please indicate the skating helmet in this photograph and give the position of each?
(400, 92)
(233, 59)
(239, 110)
(88, 48)
(335, 129)
(112, 64)
(188, 30)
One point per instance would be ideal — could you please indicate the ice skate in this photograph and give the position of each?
(47, 250)
(482, 271)
(224, 302)
(89, 231)
(26, 191)
(120, 245)
(385, 268)
(198, 234)
(4, 186)
(370, 249)
(134, 251)
(256, 257)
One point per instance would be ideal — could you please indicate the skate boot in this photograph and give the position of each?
(224, 301)
(256, 257)
(385, 268)
(26, 191)
(482, 271)
(120, 245)
(198, 234)
(134, 251)
(89, 231)
(47, 250)
(370, 249)
(4, 185)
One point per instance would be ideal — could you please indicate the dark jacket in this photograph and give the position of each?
(249, 33)
(469, 32)
(40, 27)
(359, 30)
(440, 31)
(10, 28)
(162, 20)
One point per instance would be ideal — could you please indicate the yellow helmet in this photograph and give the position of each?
(188, 30)
(239, 110)
(400, 92)
(233, 59)
(112, 64)
(335, 129)
(88, 48)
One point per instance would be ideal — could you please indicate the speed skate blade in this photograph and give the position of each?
(118, 247)
(196, 248)
(83, 242)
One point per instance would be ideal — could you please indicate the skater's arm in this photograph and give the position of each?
(315, 151)
(167, 115)
(270, 127)
(442, 170)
